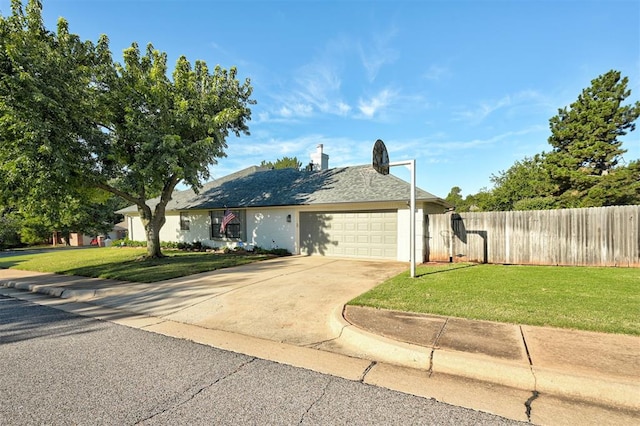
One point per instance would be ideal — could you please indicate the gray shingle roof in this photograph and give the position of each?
(260, 187)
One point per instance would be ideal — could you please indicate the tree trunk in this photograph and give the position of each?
(152, 224)
(154, 221)
(153, 239)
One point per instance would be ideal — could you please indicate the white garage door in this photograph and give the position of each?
(350, 234)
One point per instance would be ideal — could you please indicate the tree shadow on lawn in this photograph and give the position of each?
(172, 266)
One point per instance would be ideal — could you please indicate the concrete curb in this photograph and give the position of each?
(53, 291)
(600, 390)
(378, 348)
(473, 366)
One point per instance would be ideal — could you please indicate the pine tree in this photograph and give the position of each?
(585, 137)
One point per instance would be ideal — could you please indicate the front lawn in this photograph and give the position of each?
(123, 263)
(595, 299)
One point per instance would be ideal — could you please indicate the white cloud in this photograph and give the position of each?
(436, 72)
(484, 109)
(342, 108)
(438, 145)
(372, 106)
(378, 53)
(316, 89)
(296, 110)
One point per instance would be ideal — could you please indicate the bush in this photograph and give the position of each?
(276, 251)
(198, 246)
(126, 242)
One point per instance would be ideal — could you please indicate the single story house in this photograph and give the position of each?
(78, 239)
(345, 211)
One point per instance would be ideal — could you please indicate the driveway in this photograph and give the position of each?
(289, 299)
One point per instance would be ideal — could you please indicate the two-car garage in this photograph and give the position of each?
(366, 234)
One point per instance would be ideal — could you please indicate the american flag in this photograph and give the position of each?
(228, 217)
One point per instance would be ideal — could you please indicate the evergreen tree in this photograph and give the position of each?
(585, 138)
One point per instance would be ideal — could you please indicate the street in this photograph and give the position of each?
(59, 368)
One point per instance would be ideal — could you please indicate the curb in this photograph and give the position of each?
(53, 291)
(432, 360)
(602, 390)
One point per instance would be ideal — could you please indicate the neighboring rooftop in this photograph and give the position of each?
(260, 187)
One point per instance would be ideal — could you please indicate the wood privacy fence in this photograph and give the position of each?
(598, 236)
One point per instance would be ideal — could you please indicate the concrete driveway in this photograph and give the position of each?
(289, 299)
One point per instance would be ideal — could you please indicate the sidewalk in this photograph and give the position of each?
(594, 368)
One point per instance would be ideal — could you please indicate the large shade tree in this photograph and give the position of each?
(72, 118)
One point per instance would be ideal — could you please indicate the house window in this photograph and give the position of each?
(234, 229)
(184, 222)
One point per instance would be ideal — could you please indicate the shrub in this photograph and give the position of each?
(275, 251)
(280, 252)
(126, 242)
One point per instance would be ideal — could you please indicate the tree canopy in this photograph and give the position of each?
(283, 163)
(72, 118)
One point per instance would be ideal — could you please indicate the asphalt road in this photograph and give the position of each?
(58, 368)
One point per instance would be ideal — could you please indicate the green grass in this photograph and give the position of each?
(123, 263)
(584, 298)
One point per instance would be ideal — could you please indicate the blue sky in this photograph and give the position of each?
(465, 88)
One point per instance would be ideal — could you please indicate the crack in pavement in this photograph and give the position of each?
(435, 346)
(534, 393)
(528, 402)
(366, 371)
(316, 345)
(313, 404)
(192, 395)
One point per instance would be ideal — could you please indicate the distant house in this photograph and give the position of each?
(344, 211)
(78, 239)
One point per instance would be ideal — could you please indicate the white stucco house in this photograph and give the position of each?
(344, 211)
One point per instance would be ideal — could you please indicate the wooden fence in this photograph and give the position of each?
(599, 236)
